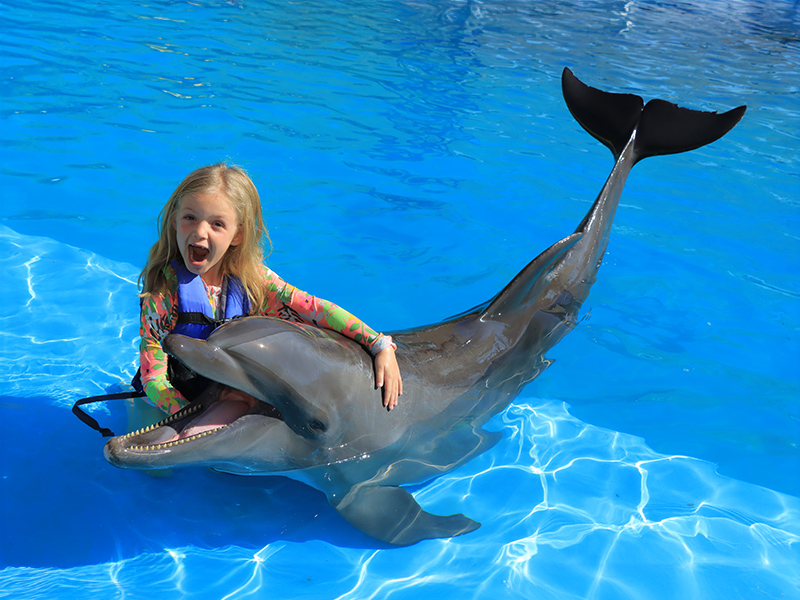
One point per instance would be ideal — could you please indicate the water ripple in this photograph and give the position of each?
(439, 128)
(46, 340)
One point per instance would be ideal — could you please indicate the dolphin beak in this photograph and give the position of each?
(210, 361)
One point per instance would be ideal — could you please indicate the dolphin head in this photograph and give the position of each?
(261, 359)
(299, 378)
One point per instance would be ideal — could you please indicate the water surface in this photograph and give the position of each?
(412, 157)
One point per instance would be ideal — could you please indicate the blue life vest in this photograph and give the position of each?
(195, 316)
(196, 320)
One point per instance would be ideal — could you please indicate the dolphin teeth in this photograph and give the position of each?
(161, 446)
(186, 411)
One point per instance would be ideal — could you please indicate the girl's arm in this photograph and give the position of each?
(287, 302)
(158, 317)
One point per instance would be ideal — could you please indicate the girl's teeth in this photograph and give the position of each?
(197, 254)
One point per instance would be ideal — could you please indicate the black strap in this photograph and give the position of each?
(105, 432)
(196, 318)
(183, 379)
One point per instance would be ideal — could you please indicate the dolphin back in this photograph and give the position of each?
(661, 127)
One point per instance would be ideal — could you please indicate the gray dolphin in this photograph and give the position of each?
(320, 419)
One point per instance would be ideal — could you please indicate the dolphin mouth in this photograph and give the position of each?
(214, 411)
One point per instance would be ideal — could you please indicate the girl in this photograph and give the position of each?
(207, 267)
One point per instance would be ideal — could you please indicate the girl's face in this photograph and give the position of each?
(206, 226)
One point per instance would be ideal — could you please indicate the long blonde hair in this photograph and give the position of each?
(243, 261)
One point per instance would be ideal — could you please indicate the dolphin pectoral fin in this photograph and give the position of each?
(391, 514)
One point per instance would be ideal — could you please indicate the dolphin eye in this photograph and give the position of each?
(317, 426)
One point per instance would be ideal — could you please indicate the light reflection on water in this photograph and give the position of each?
(568, 510)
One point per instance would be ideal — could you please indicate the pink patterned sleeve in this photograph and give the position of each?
(287, 302)
(158, 317)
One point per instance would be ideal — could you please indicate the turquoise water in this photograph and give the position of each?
(412, 157)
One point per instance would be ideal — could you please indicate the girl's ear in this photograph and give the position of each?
(237, 239)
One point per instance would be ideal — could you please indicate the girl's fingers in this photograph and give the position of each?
(387, 376)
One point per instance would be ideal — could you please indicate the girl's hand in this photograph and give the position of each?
(387, 376)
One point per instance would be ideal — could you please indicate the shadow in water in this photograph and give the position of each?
(63, 505)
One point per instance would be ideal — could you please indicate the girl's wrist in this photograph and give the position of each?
(382, 343)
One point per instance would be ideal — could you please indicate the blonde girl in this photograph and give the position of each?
(208, 266)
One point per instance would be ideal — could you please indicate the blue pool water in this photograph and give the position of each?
(412, 157)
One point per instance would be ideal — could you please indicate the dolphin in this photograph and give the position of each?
(319, 418)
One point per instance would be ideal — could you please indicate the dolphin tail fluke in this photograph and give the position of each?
(610, 118)
(661, 127)
(666, 128)
(391, 514)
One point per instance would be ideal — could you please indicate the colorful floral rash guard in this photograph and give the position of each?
(159, 315)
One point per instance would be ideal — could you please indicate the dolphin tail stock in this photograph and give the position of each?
(526, 285)
(390, 514)
(661, 127)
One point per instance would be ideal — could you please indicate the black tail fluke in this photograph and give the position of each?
(611, 118)
(661, 127)
(667, 128)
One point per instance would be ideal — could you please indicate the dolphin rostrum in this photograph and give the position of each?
(319, 418)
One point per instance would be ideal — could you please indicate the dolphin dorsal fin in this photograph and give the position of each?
(529, 282)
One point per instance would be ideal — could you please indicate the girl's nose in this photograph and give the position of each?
(201, 231)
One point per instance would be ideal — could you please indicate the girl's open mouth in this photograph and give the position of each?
(197, 254)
